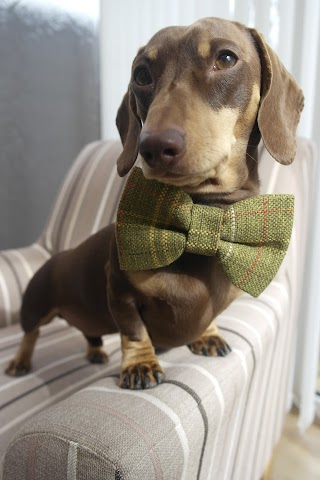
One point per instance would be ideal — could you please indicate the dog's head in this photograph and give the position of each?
(198, 102)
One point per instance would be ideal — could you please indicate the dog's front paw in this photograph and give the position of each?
(210, 346)
(18, 368)
(141, 376)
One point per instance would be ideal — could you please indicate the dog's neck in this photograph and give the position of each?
(222, 200)
(249, 189)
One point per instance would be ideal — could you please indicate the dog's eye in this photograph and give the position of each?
(142, 77)
(224, 61)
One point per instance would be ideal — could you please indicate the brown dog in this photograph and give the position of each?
(205, 95)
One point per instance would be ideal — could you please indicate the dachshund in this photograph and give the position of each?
(199, 101)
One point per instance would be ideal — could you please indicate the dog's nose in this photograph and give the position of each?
(162, 148)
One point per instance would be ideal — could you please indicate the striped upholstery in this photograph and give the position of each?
(75, 216)
(78, 199)
(213, 418)
(16, 269)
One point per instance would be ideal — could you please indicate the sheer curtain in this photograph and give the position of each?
(292, 28)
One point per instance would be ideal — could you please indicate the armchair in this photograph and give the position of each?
(212, 418)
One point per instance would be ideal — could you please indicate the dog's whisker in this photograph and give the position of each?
(252, 158)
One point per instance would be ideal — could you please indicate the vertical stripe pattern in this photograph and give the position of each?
(72, 461)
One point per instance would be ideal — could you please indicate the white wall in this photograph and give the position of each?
(290, 26)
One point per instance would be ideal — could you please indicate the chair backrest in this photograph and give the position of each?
(299, 179)
(88, 198)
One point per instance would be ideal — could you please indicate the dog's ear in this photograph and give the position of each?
(129, 126)
(280, 105)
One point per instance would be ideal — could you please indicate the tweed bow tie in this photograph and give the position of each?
(156, 223)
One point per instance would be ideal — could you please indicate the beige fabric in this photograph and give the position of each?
(88, 199)
(213, 418)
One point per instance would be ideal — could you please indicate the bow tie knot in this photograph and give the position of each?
(204, 232)
(157, 223)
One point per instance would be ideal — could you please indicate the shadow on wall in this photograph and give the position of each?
(49, 109)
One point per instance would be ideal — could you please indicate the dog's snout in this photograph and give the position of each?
(162, 148)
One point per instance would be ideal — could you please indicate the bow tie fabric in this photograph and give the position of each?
(157, 223)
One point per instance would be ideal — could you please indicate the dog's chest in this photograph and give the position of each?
(190, 278)
(171, 287)
(178, 303)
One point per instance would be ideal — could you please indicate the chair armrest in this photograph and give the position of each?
(17, 266)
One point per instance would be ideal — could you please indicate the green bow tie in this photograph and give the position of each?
(156, 223)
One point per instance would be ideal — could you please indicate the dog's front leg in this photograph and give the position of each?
(140, 367)
(211, 343)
